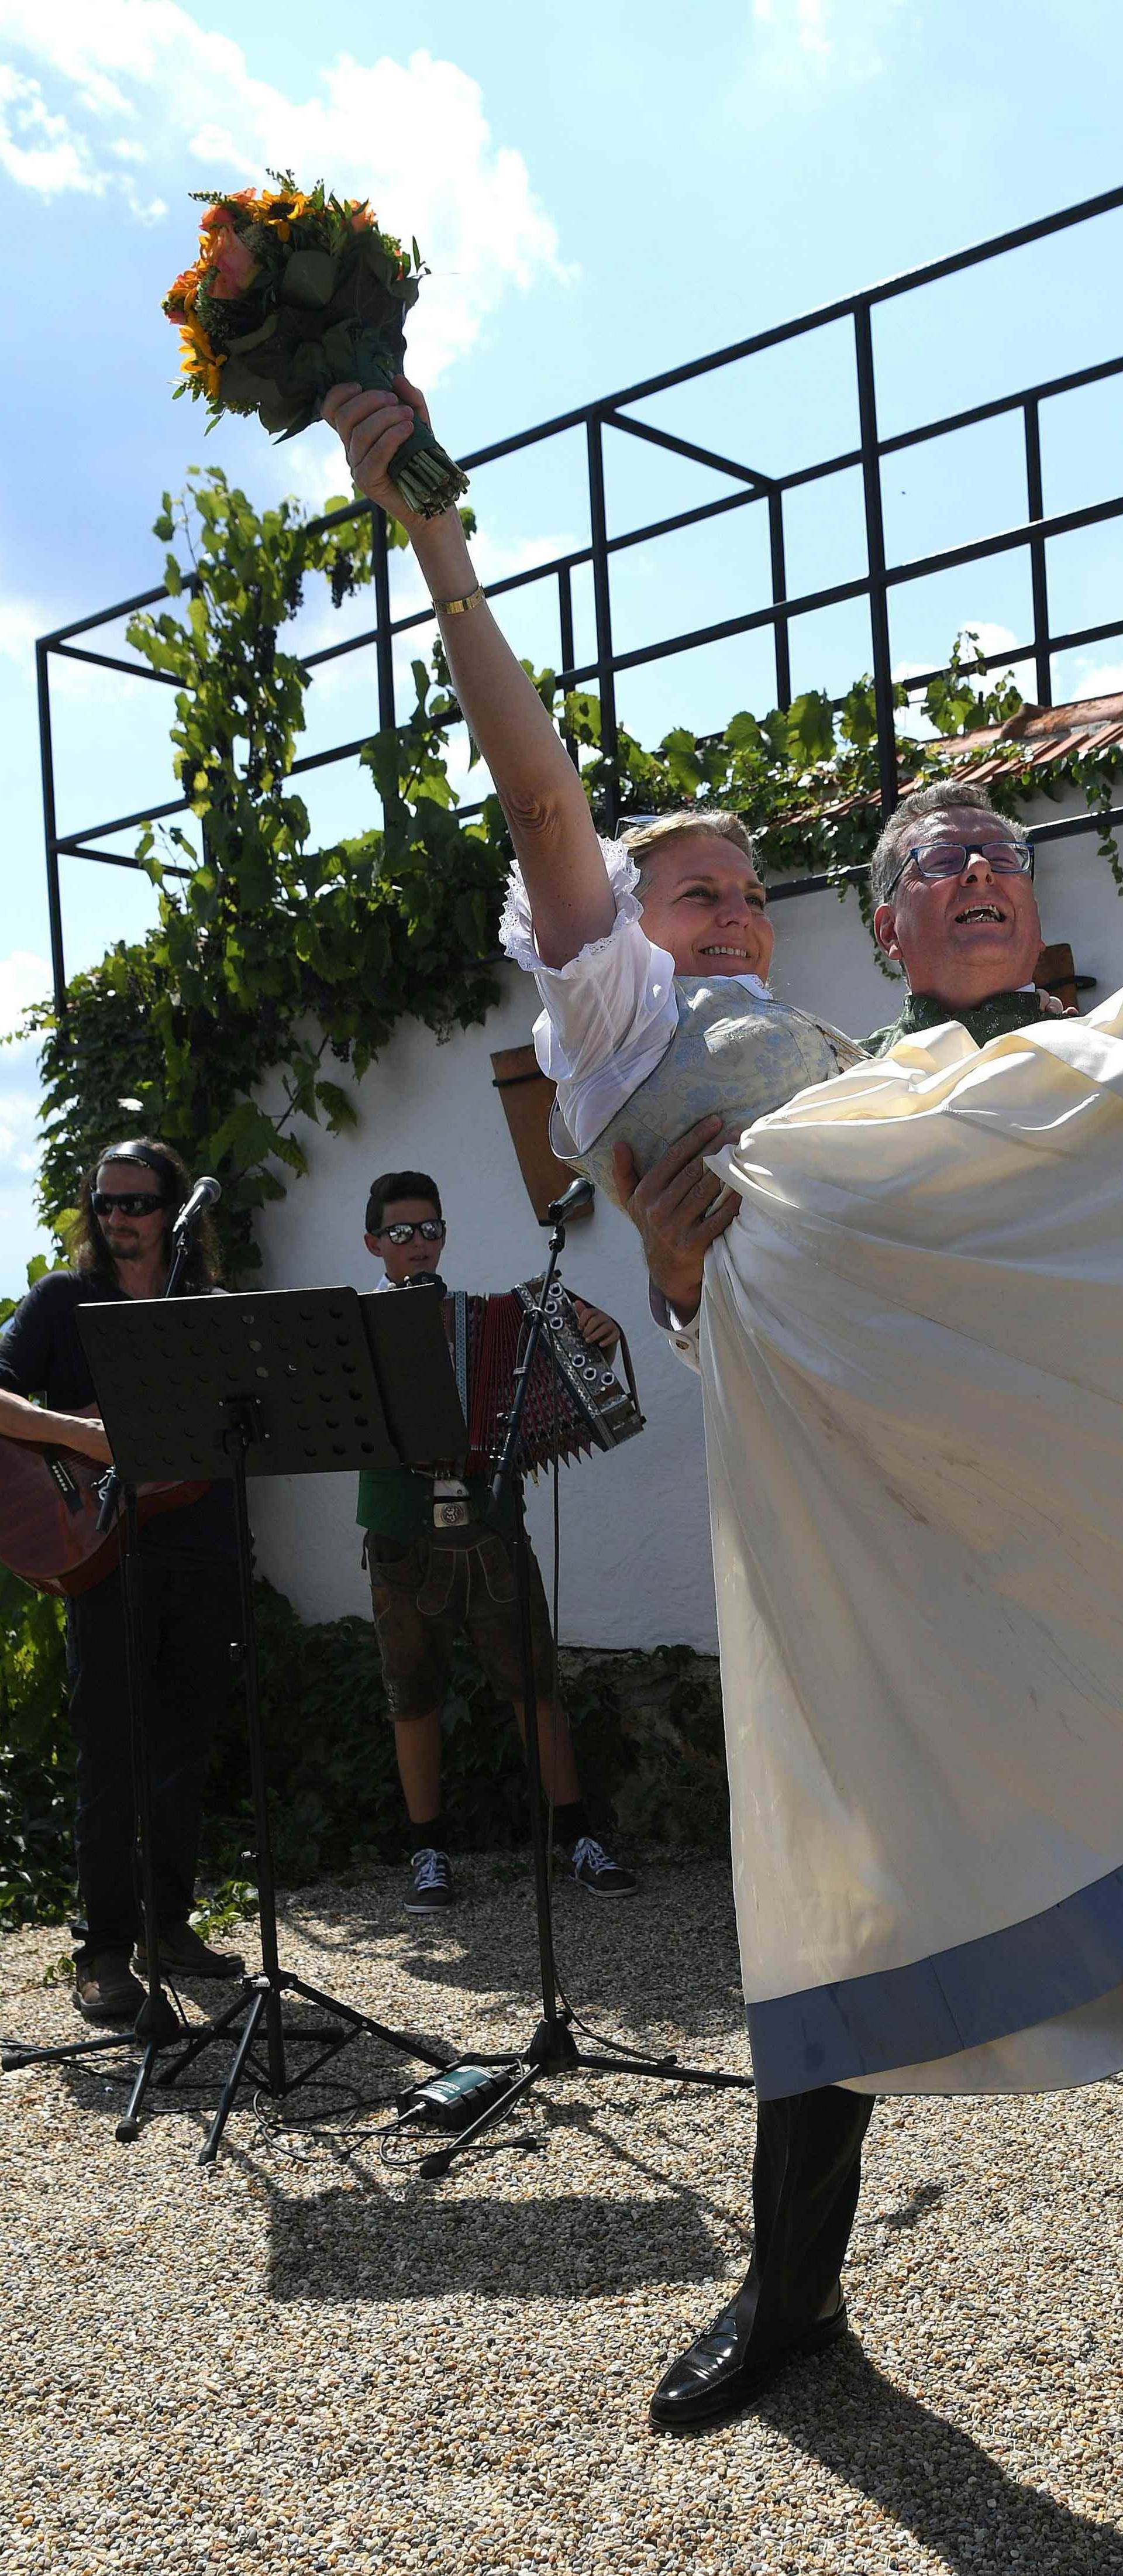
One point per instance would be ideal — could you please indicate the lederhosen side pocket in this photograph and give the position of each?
(495, 1563)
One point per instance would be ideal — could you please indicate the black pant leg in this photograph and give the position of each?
(191, 1613)
(193, 1616)
(104, 1823)
(806, 2176)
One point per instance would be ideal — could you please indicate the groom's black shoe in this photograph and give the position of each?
(719, 2375)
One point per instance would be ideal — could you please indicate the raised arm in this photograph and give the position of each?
(535, 780)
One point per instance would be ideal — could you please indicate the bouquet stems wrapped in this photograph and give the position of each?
(290, 294)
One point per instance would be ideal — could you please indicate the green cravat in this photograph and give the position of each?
(993, 1018)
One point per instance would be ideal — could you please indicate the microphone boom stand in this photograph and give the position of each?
(552, 2049)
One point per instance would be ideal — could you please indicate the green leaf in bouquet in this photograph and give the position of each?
(299, 421)
(338, 346)
(242, 389)
(311, 277)
(370, 254)
(253, 339)
(285, 413)
(306, 370)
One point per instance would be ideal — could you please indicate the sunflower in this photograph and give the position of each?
(198, 358)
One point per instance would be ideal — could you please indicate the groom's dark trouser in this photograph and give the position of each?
(806, 2174)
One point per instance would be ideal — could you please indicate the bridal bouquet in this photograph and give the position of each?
(292, 293)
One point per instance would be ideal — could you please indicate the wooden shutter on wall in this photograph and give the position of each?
(1056, 973)
(527, 1095)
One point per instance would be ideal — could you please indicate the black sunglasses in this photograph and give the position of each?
(125, 1202)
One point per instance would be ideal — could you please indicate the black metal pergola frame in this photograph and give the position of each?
(753, 487)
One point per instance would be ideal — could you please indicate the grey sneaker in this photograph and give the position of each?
(430, 1888)
(593, 1868)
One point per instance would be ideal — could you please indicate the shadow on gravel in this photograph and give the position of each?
(638, 1961)
(934, 2480)
(338, 2248)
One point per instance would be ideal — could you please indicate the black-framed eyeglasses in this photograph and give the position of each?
(125, 1202)
(936, 859)
(430, 1228)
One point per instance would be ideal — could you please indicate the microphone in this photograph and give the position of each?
(578, 1195)
(202, 1197)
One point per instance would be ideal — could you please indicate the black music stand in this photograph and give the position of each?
(276, 1383)
(552, 2049)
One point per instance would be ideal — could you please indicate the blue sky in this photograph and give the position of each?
(599, 197)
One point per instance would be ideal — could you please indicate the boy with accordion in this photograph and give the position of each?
(430, 1585)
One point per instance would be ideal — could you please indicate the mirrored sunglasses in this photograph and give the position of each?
(125, 1202)
(430, 1228)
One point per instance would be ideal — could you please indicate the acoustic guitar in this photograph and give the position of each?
(49, 1506)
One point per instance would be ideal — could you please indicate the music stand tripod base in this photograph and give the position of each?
(280, 1382)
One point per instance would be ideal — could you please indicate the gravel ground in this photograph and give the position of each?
(301, 2361)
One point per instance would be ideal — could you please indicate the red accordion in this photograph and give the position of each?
(574, 1402)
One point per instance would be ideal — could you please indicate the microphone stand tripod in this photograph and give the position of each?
(552, 2049)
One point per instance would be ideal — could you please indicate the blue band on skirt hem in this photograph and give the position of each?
(959, 1998)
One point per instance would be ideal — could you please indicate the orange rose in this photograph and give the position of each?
(180, 298)
(233, 266)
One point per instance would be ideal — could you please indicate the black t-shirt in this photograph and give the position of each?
(41, 1353)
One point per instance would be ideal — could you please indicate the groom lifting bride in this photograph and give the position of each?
(913, 1382)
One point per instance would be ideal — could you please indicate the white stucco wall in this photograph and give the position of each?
(635, 1537)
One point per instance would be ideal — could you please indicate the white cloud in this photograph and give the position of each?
(803, 21)
(40, 149)
(411, 135)
(1102, 680)
(801, 43)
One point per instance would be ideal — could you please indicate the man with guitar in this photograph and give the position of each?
(121, 1247)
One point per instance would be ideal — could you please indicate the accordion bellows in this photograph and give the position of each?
(574, 1403)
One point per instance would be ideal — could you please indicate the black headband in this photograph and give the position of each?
(131, 1154)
